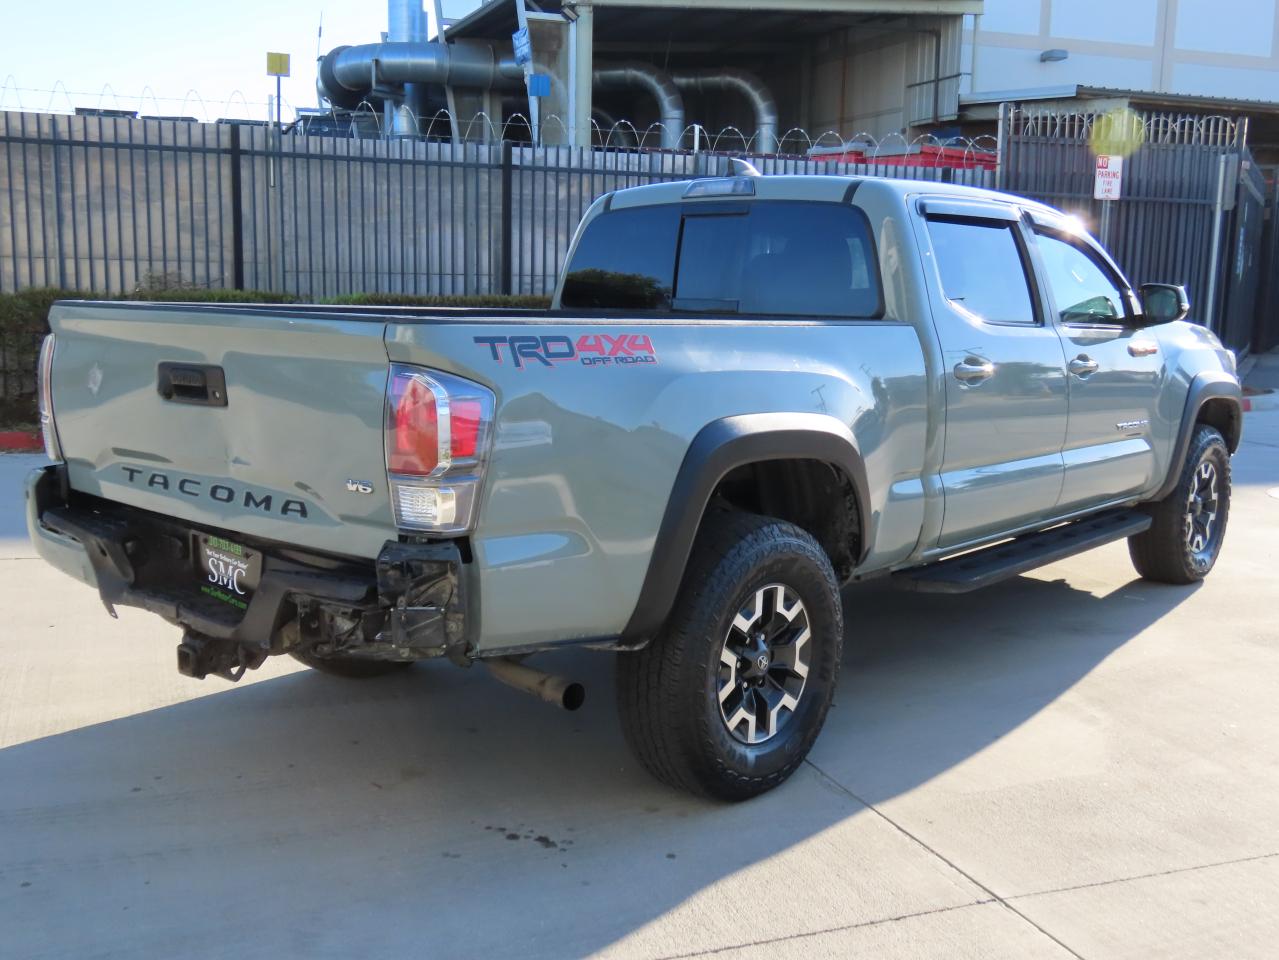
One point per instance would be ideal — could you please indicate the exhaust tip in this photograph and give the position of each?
(574, 696)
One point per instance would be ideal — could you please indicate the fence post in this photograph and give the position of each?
(507, 204)
(237, 212)
(1212, 319)
(57, 203)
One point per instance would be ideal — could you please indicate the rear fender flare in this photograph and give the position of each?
(718, 448)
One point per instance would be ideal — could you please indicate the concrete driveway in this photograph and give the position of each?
(1073, 764)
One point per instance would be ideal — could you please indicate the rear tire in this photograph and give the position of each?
(727, 700)
(352, 668)
(1189, 525)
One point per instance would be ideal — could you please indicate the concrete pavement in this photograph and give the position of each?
(1072, 764)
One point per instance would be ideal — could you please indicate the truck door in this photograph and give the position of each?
(1004, 370)
(1114, 370)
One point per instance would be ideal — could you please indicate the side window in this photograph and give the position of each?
(625, 261)
(982, 273)
(779, 259)
(1083, 291)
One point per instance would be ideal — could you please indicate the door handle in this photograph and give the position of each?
(1083, 366)
(974, 370)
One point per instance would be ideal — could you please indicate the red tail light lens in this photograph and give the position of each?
(438, 429)
(467, 415)
(414, 444)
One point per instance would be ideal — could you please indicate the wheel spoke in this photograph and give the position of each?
(742, 715)
(792, 656)
(743, 622)
(787, 702)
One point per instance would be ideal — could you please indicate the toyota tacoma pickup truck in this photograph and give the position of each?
(748, 392)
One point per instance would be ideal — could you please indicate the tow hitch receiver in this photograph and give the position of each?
(199, 656)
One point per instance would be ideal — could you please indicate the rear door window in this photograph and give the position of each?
(762, 258)
(982, 270)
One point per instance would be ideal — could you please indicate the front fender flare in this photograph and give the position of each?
(718, 448)
(1204, 387)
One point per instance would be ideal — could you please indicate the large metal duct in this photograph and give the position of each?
(399, 71)
(748, 85)
(670, 105)
(348, 74)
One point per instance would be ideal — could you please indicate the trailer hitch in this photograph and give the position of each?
(200, 655)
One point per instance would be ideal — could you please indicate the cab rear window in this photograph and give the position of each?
(760, 258)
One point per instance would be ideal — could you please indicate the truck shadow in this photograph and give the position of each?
(440, 814)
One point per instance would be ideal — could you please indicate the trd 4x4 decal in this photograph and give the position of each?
(590, 350)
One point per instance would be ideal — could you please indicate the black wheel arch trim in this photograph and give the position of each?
(1203, 388)
(718, 448)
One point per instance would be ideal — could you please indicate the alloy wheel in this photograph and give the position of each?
(764, 663)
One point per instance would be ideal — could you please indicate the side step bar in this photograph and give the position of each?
(981, 568)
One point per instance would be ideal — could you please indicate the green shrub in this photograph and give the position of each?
(24, 321)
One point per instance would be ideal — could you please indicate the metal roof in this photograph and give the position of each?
(728, 21)
(1149, 98)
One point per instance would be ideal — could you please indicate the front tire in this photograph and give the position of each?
(727, 700)
(1189, 525)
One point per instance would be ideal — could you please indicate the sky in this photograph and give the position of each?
(205, 60)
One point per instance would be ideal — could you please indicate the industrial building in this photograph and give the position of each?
(783, 75)
(783, 70)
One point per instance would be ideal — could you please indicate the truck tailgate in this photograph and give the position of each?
(303, 415)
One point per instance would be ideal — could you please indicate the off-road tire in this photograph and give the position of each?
(1163, 553)
(668, 692)
(353, 668)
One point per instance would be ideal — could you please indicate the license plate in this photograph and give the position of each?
(230, 571)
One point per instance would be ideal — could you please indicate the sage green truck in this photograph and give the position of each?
(748, 392)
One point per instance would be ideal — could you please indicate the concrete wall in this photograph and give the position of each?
(1221, 48)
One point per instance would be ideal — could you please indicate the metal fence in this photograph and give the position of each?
(1175, 220)
(107, 204)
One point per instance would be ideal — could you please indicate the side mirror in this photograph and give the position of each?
(1163, 303)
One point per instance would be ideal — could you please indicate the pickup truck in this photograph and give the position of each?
(748, 391)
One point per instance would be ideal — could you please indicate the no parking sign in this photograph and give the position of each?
(1109, 181)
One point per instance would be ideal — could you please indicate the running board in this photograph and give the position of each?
(981, 568)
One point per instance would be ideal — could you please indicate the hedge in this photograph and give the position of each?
(24, 320)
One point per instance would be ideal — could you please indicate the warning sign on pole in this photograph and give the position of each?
(1108, 184)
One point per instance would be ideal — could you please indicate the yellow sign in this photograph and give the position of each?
(277, 64)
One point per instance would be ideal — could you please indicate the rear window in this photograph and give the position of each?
(768, 258)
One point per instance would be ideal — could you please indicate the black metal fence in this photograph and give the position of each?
(1191, 208)
(108, 204)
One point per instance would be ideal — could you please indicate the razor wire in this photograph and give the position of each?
(367, 120)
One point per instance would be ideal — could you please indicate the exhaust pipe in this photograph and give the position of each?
(560, 691)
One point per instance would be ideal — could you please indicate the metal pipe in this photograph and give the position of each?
(748, 85)
(406, 23)
(356, 70)
(545, 686)
(670, 104)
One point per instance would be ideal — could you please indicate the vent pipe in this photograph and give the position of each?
(748, 85)
(351, 75)
(401, 71)
(670, 105)
(406, 23)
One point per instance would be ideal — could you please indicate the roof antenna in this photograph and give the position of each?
(742, 168)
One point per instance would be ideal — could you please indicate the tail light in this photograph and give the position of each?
(44, 390)
(438, 430)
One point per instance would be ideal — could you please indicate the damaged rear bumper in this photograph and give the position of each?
(408, 604)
